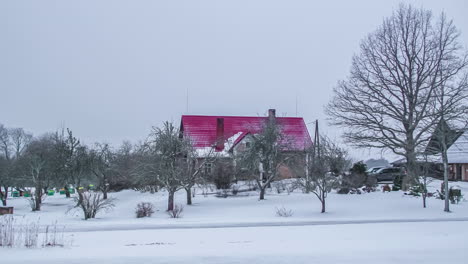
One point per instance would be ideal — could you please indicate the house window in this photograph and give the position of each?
(247, 145)
(208, 168)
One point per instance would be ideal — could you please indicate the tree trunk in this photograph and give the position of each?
(424, 200)
(67, 192)
(411, 169)
(38, 199)
(4, 195)
(262, 192)
(189, 195)
(446, 172)
(170, 201)
(104, 194)
(323, 204)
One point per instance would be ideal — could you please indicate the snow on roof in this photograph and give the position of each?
(205, 152)
(458, 152)
(202, 129)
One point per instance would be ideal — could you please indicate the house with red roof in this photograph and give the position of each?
(226, 135)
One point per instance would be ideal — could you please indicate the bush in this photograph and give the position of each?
(455, 195)
(344, 190)
(92, 202)
(235, 190)
(223, 175)
(283, 212)
(386, 188)
(176, 212)
(144, 209)
(397, 183)
(357, 179)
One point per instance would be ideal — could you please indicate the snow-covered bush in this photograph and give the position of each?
(144, 209)
(176, 212)
(283, 212)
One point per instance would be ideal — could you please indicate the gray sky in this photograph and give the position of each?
(110, 70)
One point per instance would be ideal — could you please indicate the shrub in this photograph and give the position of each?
(357, 179)
(144, 209)
(283, 212)
(455, 195)
(386, 188)
(344, 190)
(176, 212)
(223, 175)
(92, 202)
(235, 190)
(397, 183)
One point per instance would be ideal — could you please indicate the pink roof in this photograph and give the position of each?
(202, 129)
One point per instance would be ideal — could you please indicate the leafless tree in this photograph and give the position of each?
(269, 151)
(164, 160)
(193, 168)
(13, 142)
(388, 100)
(102, 161)
(326, 162)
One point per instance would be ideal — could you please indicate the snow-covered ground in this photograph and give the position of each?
(247, 230)
(245, 208)
(370, 243)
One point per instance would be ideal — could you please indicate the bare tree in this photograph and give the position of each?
(13, 142)
(387, 101)
(193, 169)
(37, 168)
(164, 160)
(326, 162)
(102, 157)
(269, 151)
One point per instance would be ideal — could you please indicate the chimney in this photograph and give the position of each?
(271, 115)
(219, 134)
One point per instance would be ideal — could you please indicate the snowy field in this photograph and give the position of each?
(368, 228)
(370, 243)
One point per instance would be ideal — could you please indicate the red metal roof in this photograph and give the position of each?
(202, 129)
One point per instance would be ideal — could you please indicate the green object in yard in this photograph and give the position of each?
(27, 194)
(51, 193)
(71, 190)
(62, 192)
(15, 194)
(91, 186)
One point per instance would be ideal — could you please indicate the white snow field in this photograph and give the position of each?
(368, 228)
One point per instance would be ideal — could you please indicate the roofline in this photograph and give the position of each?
(294, 117)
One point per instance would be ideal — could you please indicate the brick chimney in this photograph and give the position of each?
(271, 115)
(219, 134)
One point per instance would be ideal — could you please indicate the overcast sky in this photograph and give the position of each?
(110, 70)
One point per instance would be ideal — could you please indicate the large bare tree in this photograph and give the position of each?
(387, 100)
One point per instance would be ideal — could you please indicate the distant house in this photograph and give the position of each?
(457, 143)
(458, 158)
(227, 135)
